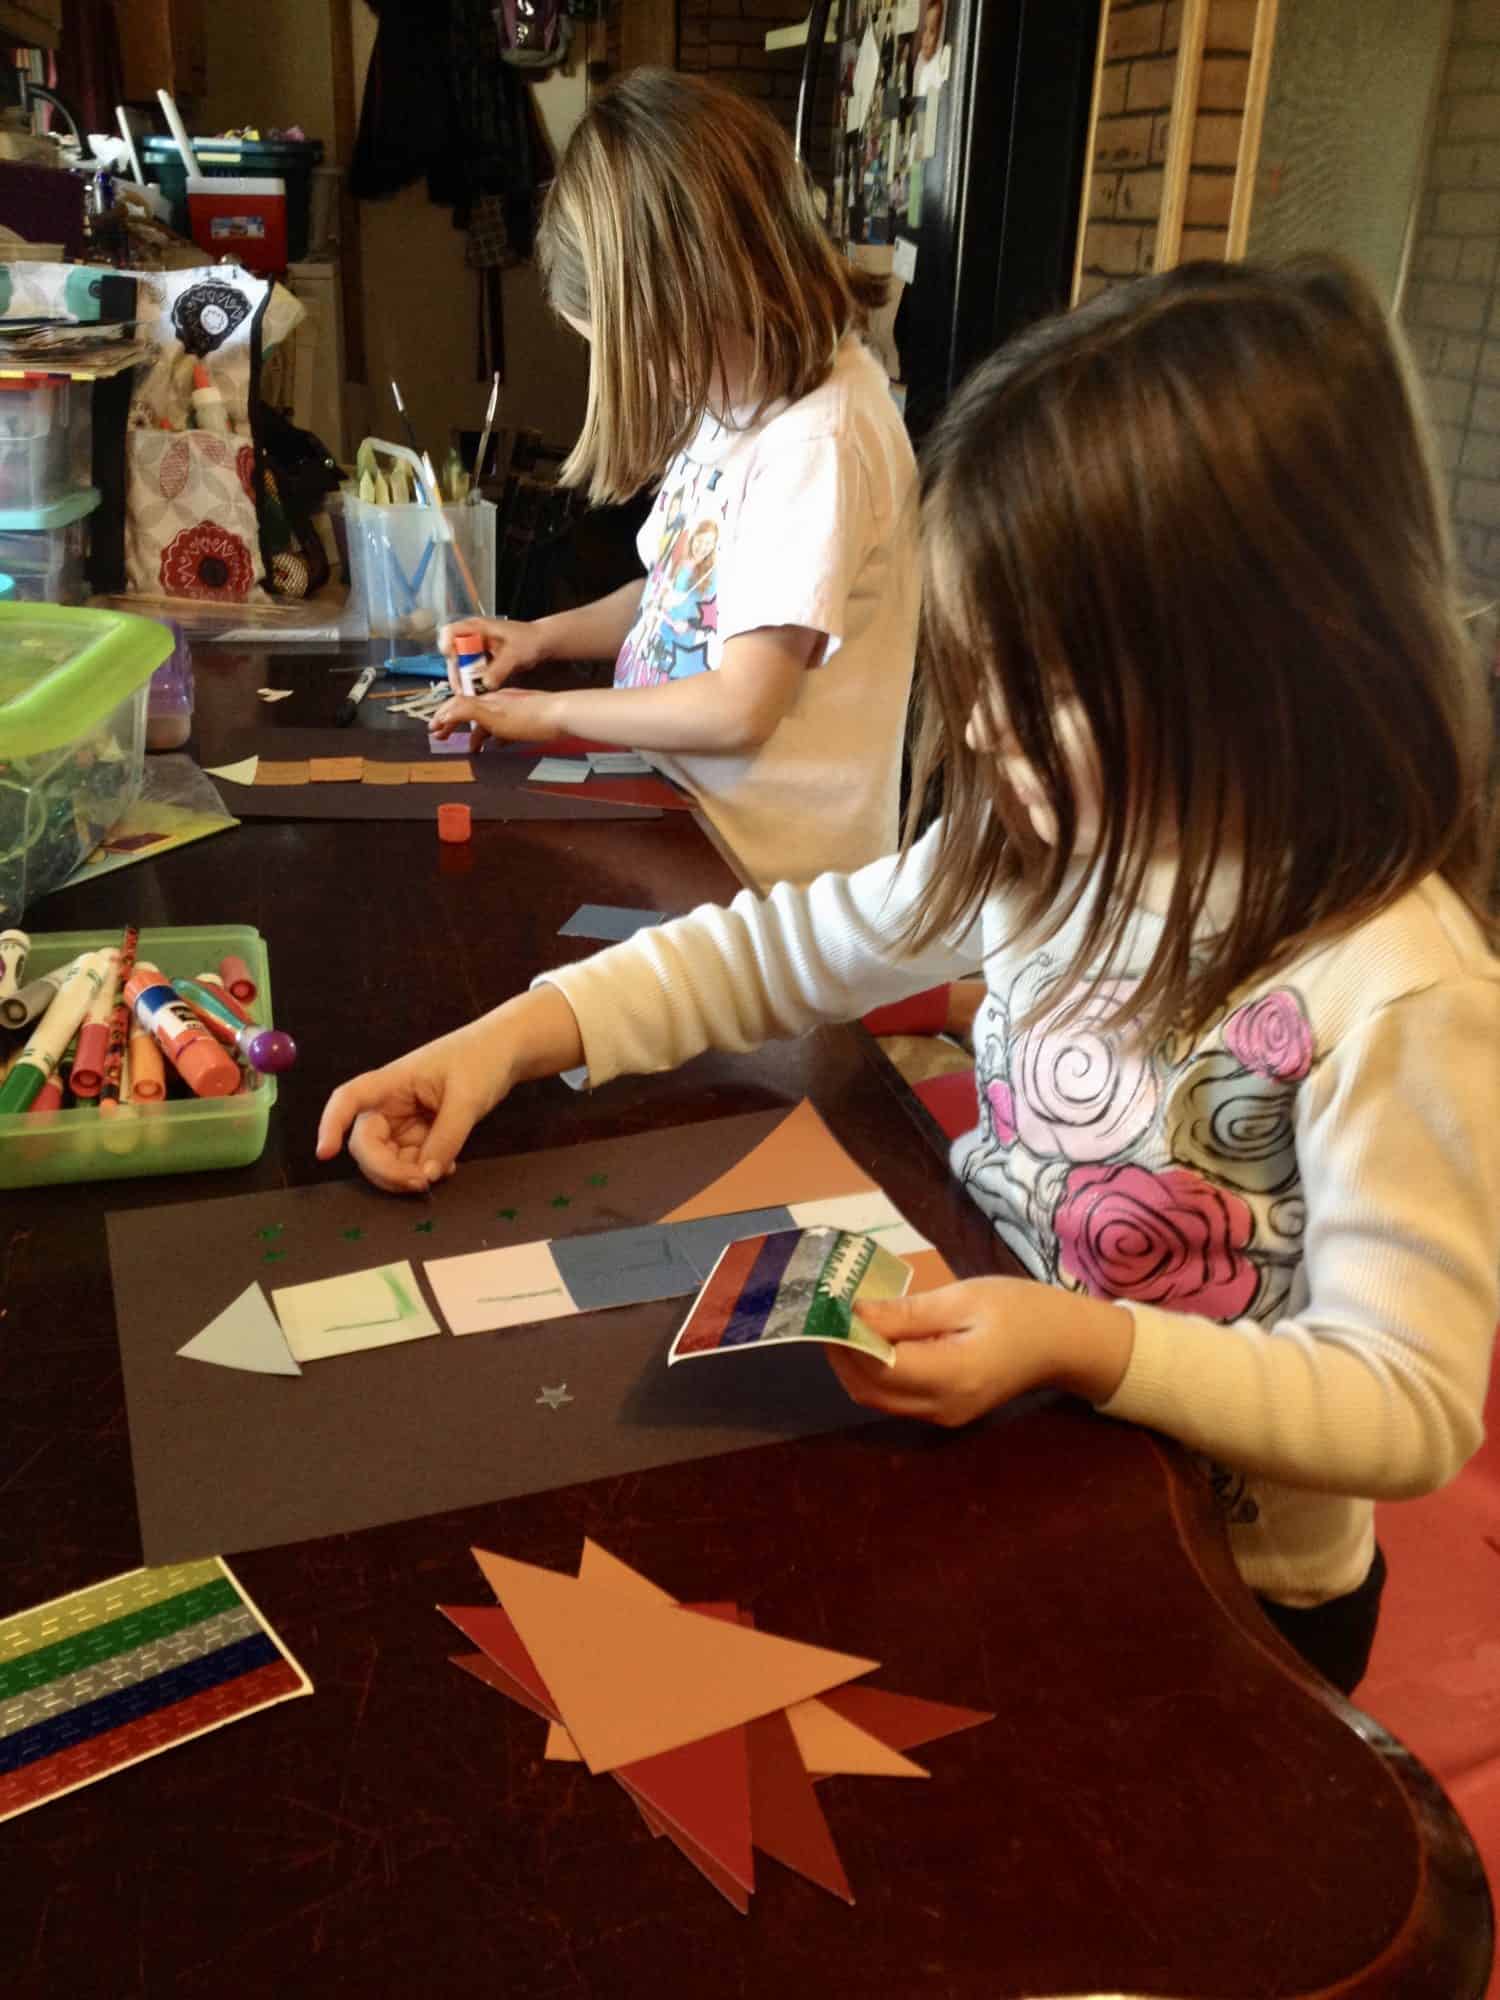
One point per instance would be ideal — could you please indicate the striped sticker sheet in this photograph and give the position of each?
(794, 1284)
(111, 1675)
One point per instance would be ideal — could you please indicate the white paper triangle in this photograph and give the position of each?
(242, 773)
(246, 1335)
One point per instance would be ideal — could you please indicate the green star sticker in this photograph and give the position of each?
(598, 1180)
(352, 1235)
(561, 1201)
(274, 1256)
(507, 1214)
(426, 1228)
(271, 1231)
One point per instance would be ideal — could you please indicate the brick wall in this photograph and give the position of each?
(726, 39)
(1130, 143)
(1451, 306)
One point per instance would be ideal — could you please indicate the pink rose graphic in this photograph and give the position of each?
(1167, 1239)
(1079, 1089)
(1271, 1036)
(1002, 1103)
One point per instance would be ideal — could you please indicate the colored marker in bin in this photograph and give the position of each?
(267, 1050)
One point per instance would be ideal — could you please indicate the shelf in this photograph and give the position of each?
(795, 37)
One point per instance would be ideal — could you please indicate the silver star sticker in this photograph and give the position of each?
(555, 1398)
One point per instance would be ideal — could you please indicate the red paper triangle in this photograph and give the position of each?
(493, 1633)
(495, 1677)
(702, 1791)
(901, 1721)
(786, 1820)
(728, 1888)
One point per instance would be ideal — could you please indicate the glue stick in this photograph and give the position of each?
(206, 1069)
(209, 412)
(469, 655)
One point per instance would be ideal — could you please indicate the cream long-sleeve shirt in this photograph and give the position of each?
(1300, 1204)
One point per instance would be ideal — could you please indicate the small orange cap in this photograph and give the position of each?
(453, 822)
(207, 1069)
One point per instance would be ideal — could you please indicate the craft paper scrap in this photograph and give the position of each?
(602, 920)
(271, 773)
(489, 1289)
(632, 1679)
(336, 770)
(829, 1742)
(450, 773)
(362, 1309)
(378, 772)
(108, 1676)
(794, 1285)
(704, 1242)
(619, 764)
(456, 745)
(242, 773)
(559, 771)
(863, 1215)
(274, 694)
(623, 1267)
(246, 1335)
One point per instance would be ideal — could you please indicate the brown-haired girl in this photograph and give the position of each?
(1204, 728)
(765, 658)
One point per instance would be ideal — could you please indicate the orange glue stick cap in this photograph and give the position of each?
(208, 1069)
(453, 822)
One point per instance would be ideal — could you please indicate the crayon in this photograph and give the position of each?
(52, 1034)
(86, 1078)
(206, 1069)
(236, 976)
(119, 1023)
(19, 1010)
(15, 947)
(148, 1072)
(265, 1049)
(216, 985)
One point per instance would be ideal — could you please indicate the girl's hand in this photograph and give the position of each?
(512, 645)
(510, 716)
(966, 1348)
(406, 1124)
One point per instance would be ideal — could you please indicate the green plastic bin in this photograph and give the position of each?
(73, 690)
(176, 1136)
(289, 160)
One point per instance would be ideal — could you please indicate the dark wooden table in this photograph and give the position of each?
(1166, 1804)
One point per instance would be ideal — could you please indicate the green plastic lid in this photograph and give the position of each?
(62, 670)
(61, 514)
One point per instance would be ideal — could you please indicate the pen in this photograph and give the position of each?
(349, 707)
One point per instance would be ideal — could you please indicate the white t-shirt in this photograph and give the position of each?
(808, 518)
(1300, 1204)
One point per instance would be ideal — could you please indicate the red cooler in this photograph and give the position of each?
(244, 220)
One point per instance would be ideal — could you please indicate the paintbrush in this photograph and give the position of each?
(411, 429)
(484, 440)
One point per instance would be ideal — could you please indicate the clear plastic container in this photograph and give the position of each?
(405, 582)
(177, 1136)
(73, 689)
(169, 707)
(46, 441)
(44, 549)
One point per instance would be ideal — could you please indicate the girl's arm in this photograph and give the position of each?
(732, 710)
(594, 631)
(716, 979)
(1376, 1386)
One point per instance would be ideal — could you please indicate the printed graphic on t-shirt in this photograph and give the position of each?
(676, 632)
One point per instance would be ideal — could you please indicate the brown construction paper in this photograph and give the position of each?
(379, 772)
(267, 774)
(433, 1424)
(453, 772)
(785, 1818)
(634, 1678)
(800, 1161)
(336, 770)
(828, 1745)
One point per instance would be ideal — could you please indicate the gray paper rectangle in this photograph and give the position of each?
(704, 1242)
(624, 1267)
(606, 921)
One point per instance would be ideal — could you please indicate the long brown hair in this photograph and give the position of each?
(1202, 508)
(679, 215)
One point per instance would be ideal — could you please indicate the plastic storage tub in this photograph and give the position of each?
(289, 160)
(177, 1136)
(46, 441)
(73, 688)
(404, 582)
(44, 549)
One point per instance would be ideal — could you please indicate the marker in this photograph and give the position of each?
(48, 1098)
(14, 948)
(221, 992)
(52, 1034)
(21, 1009)
(236, 976)
(110, 1090)
(86, 1078)
(206, 1069)
(265, 1049)
(349, 706)
(148, 1072)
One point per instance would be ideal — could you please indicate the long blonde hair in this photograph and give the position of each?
(1203, 509)
(679, 216)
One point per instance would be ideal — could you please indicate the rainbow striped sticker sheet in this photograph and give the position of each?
(792, 1284)
(111, 1675)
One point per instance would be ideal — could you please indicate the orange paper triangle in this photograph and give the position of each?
(800, 1161)
(631, 1678)
(829, 1745)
